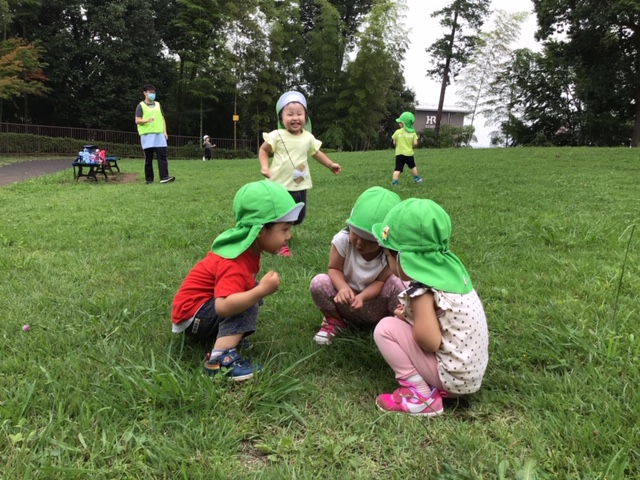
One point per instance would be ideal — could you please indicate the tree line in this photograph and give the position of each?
(83, 63)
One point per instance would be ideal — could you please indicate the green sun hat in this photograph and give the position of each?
(419, 229)
(371, 207)
(408, 119)
(289, 97)
(254, 205)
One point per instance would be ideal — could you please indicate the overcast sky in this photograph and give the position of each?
(424, 30)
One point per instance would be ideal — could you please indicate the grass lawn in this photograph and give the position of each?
(101, 388)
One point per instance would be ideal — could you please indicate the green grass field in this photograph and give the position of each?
(101, 388)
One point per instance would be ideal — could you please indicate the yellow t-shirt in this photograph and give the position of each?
(291, 152)
(404, 142)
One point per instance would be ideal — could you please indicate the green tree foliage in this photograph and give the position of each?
(210, 59)
(374, 81)
(462, 20)
(197, 35)
(602, 44)
(99, 54)
(483, 88)
(543, 95)
(20, 69)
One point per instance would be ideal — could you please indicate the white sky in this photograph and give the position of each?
(423, 30)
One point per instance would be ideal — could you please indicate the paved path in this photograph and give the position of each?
(16, 172)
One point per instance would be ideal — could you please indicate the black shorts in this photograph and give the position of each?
(300, 196)
(402, 160)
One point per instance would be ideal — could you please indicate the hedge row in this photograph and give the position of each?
(28, 144)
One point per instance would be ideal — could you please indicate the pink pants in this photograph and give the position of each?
(394, 338)
(323, 292)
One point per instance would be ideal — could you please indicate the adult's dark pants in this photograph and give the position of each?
(163, 163)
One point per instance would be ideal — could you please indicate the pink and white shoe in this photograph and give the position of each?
(285, 252)
(407, 399)
(330, 328)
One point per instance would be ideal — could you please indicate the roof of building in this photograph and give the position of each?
(448, 109)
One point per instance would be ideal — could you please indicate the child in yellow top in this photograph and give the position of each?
(404, 139)
(291, 145)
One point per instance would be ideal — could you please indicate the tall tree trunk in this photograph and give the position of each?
(445, 75)
(635, 136)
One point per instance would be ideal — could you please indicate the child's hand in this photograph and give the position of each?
(335, 168)
(357, 303)
(398, 312)
(270, 282)
(265, 172)
(345, 296)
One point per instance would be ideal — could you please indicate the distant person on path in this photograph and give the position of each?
(291, 144)
(206, 144)
(405, 139)
(437, 342)
(219, 298)
(359, 288)
(152, 129)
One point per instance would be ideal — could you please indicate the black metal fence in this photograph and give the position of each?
(97, 137)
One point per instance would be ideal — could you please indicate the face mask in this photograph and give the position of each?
(152, 96)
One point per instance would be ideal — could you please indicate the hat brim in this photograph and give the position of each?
(362, 233)
(292, 215)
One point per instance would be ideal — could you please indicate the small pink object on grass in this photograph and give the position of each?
(26, 328)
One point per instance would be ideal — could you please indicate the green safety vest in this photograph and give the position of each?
(157, 126)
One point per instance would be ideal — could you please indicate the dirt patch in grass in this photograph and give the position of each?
(117, 177)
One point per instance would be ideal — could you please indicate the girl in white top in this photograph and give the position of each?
(291, 145)
(359, 287)
(437, 342)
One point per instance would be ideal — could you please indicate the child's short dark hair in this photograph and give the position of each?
(148, 87)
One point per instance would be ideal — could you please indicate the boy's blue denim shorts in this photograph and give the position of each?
(207, 324)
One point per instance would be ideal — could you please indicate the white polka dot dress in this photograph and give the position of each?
(464, 352)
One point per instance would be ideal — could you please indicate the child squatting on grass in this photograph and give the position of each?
(359, 287)
(291, 144)
(219, 297)
(437, 343)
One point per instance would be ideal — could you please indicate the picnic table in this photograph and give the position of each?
(93, 169)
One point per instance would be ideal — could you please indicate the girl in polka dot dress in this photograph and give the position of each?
(437, 342)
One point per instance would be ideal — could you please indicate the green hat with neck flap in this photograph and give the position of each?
(419, 230)
(407, 119)
(254, 205)
(371, 207)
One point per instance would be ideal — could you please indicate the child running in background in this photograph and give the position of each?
(437, 344)
(219, 297)
(359, 287)
(206, 144)
(291, 144)
(404, 139)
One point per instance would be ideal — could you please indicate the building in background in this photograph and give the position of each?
(426, 117)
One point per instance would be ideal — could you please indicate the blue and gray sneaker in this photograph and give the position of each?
(231, 365)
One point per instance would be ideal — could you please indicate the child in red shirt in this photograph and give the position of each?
(219, 297)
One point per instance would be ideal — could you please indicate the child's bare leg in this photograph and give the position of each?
(414, 171)
(396, 175)
(227, 342)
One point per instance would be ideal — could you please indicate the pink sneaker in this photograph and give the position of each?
(329, 329)
(285, 252)
(407, 399)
